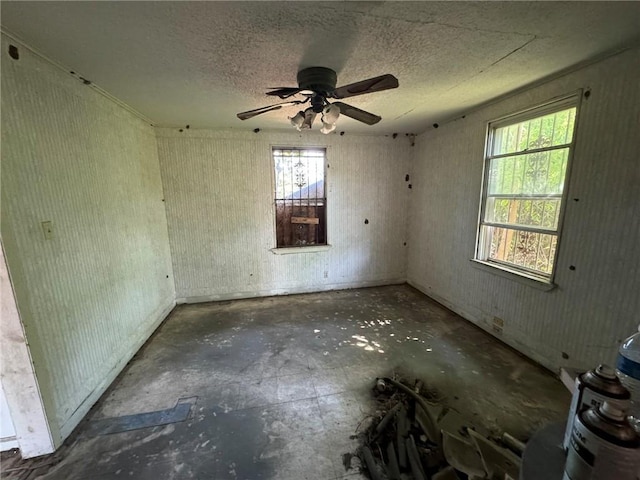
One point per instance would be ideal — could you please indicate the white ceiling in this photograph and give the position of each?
(200, 63)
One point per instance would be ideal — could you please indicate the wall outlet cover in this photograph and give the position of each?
(497, 325)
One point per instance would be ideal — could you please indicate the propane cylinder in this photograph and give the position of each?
(604, 445)
(593, 388)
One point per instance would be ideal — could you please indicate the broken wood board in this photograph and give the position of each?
(306, 220)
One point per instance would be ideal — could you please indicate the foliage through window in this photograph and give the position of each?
(525, 175)
(300, 200)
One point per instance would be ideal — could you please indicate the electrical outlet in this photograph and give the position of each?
(326, 274)
(498, 324)
(47, 229)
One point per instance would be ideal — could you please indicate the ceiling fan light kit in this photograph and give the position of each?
(309, 117)
(318, 84)
(297, 120)
(331, 114)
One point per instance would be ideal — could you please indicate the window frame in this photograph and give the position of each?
(291, 249)
(481, 252)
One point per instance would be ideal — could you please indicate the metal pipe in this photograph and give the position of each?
(387, 418)
(432, 429)
(393, 471)
(513, 443)
(414, 459)
(402, 432)
(370, 462)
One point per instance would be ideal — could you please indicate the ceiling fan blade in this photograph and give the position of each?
(257, 111)
(252, 113)
(376, 84)
(284, 92)
(357, 114)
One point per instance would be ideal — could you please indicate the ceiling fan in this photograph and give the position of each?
(317, 85)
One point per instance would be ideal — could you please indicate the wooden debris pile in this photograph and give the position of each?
(415, 438)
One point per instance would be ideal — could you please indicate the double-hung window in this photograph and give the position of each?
(300, 199)
(525, 173)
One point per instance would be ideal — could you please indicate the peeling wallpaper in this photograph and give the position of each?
(91, 294)
(594, 306)
(220, 210)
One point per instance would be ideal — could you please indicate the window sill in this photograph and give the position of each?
(520, 277)
(309, 249)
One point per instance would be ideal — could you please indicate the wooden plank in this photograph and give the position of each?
(305, 220)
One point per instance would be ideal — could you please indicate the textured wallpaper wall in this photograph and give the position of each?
(595, 305)
(92, 293)
(220, 208)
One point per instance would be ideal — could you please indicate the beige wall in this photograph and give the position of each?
(219, 192)
(593, 306)
(93, 293)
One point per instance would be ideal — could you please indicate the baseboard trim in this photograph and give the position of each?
(287, 291)
(511, 342)
(72, 422)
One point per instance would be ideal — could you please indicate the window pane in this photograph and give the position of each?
(540, 173)
(299, 173)
(528, 250)
(516, 211)
(547, 131)
(300, 197)
(523, 187)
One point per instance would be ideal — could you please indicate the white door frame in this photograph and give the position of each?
(18, 376)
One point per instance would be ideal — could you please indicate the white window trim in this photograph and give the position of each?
(511, 274)
(301, 249)
(506, 270)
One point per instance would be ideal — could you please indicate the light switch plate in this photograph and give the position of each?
(47, 229)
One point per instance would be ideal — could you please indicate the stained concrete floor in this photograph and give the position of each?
(278, 386)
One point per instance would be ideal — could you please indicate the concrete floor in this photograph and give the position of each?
(281, 384)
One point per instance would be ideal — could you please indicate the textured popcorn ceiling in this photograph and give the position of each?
(200, 63)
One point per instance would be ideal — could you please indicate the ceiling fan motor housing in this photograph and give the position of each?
(319, 79)
(317, 103)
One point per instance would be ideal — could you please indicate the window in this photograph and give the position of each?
(527, 158)
(300, 201)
